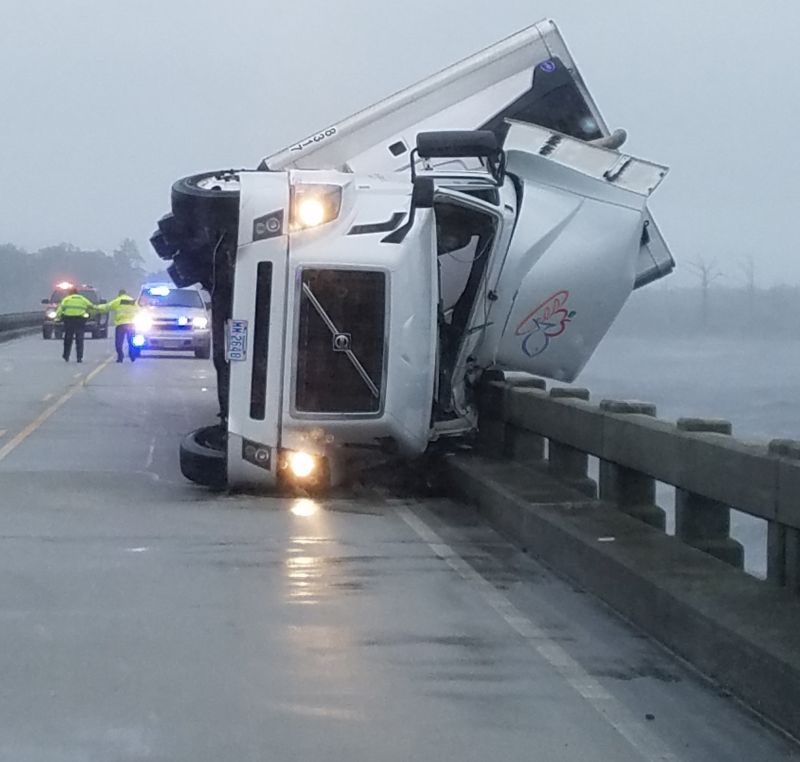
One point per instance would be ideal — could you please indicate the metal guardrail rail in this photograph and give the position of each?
(711, 471)
(18, 323)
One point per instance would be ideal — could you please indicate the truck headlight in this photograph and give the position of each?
(301, 464)
(314, 205)
(200, 322)
(51, 314)
(142, 323)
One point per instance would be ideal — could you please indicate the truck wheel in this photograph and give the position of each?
(209, 200)
(59, 334)
(203, 457)
(47, 332)
(202, 353)
(97, 334)
(104, 333)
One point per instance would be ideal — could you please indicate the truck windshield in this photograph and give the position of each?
(177, 297)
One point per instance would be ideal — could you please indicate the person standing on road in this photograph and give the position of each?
(73, 311)
(124, 309)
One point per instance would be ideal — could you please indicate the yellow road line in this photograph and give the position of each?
(12, 445)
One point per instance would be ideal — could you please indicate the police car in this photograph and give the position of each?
(173, 319)
(96, 323)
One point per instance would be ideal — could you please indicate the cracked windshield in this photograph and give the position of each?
(406, 383)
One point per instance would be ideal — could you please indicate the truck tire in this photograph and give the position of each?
(209, 200)
(104, 333)
(202, 460)
(47, 332)
(202, 353)
(58, 333)
(97, 334)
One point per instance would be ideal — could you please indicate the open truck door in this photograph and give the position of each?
(529, 77)
(573, 257)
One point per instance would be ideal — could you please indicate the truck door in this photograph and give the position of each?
(574, 254)
(255, 334)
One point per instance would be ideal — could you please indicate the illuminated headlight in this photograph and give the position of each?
(200, 322)
(301, 464)
(183, 320)
(314, 205)
(142, 323)
(138, 340)
(51, 314)
(86, 314)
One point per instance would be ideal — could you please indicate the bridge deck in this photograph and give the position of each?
(144, 618)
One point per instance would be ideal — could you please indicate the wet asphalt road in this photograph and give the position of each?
(142, 618)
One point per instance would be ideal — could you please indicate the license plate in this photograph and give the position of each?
(236, 341)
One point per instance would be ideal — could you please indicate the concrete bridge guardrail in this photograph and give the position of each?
(530, 477)
(16, 324)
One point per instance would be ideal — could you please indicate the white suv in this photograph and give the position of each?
(172, 319)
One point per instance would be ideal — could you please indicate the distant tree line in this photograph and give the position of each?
(28, 277)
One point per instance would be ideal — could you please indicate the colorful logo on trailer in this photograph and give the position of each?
(544, 323)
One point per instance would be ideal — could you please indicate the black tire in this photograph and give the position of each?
(104, 333)
(59, 334)
(202, 459)
(97, 334)
(200, 203)
(202, 353)
(47, 332)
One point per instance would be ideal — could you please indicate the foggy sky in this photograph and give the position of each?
(104, 103)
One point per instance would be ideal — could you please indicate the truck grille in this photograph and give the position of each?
(340, 342)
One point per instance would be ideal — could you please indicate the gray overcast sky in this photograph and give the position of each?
(103, 103)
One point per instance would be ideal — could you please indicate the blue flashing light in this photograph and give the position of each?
(138, 340)
(159, 291)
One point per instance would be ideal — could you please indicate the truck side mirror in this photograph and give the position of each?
(459, 144)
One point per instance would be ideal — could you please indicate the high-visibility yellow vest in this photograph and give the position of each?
(75, 305)
(124, 309)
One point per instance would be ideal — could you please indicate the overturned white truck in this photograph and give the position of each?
(364, 278)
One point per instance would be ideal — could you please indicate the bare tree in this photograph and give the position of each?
(707, 272)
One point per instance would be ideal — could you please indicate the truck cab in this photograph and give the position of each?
(359, 294)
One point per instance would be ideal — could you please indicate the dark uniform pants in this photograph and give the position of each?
(74, 328)
(121, 334)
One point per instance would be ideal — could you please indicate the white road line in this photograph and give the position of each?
(651, 747)
(150, 454)
(47, 397)
(17, 440)
(3, 432)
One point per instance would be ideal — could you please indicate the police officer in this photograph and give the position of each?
(73, 311)
(124, 309)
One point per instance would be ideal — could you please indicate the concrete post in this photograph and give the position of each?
(702, 523)
(632, 492)
(520, 444)
(491, 415)
(783, 543)
(567, 463)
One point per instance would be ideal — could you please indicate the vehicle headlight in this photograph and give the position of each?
(301, 464)
(314, 205)
(51, 314)
(143, 323)
(200, 322)
(183, 320)
(86, 314)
